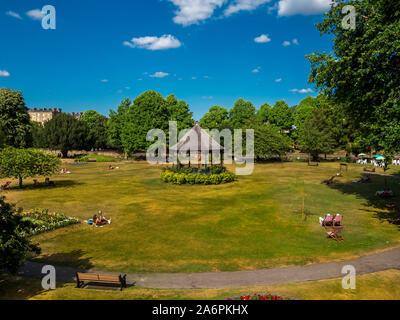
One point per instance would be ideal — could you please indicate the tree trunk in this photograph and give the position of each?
(20, 182)
(64, 153)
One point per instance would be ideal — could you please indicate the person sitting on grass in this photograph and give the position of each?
(110, 167)
(101, 220)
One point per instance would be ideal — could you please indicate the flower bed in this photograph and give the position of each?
(44, 221)
(260, 296)
(170, 176)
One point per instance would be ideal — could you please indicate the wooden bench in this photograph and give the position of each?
(313, 164)
(98, 278)
(366, 169)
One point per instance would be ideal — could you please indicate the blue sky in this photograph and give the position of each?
(206, 52)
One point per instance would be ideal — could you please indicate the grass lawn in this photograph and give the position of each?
(253, 223)
(383, 285)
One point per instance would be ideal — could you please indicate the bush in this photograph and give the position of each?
(196, 178)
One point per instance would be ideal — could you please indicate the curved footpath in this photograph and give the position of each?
(366, 264)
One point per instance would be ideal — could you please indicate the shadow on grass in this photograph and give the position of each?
(73, 259)
(42, 185)
(376, 205)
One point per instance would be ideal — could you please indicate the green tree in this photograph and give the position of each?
(303, 111)
(281, 115)
(268, 142)
(149, 111)
(66, 133)
(242, 112)
(14, 243)
(215, 118)
(97, 124)
(316, 136)
(179, 111)
(362, 73)
(25, 163)
(37, 131)
(14, 119)
(264, 114)
(116, 122)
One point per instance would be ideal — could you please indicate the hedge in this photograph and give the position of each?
(196, 178)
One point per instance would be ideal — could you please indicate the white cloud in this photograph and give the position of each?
(104, 80)
(262, 39)
(35, 14)
(256, 70)
(278, 80)
(308, 90)
(13, 14)
(159, 75)
(286, 43)
(304, 7)
(4, 73)
(154, 43)
(243, 5)
(194, 78)
(193, 11)
(295, 41)
(128, 88)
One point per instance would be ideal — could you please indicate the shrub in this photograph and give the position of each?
(196, 178)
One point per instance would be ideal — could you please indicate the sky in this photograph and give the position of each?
(206, 52)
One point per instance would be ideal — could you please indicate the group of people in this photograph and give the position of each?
(99, 220)
(396, 162)
(65, 171)
(362, 161)
(110, 167)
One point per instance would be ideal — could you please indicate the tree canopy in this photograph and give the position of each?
(149, 111)
(24, 163)
(362, 74)
(14, 243)
(215, 118)
(66, 133)
(14, 119)
(241, 113)
(97, 124)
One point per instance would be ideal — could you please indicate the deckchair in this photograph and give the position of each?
(337, 221)
(330, 181)
(6, 186)
(328, 221)
(336, 233)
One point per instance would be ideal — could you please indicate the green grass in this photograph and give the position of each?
(253, 223)
(97, 158)
(383, 285)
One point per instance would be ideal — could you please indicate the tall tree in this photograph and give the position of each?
(14, 119)
(215, 118)
(268, 142)
(264, 114)
(25, 163)
(97, 124)
(38, 138)
(362, 74)
(282, 115)
(66, 133)
(179, 111)
(149, 111)
(116, 122)
(241, 113)
(14, 243)
(316, 136)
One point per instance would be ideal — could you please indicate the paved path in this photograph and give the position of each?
(365, 264)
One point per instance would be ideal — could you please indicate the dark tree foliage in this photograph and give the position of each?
(14, 244)
(362, 74)
(66, 133)
(14, 119)
(97, 124)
